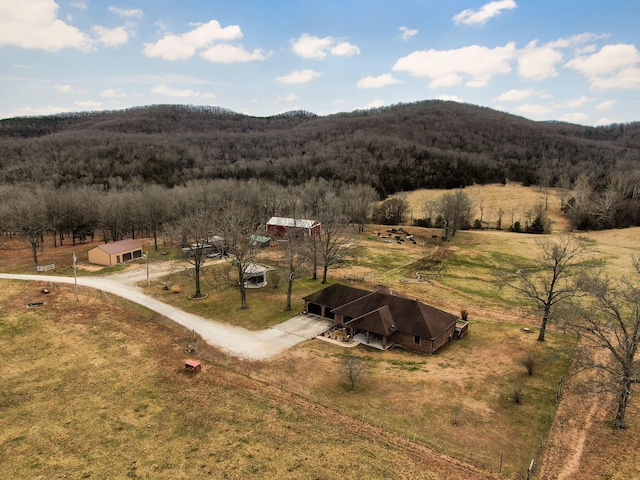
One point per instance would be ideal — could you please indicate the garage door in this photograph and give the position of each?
(315, 309)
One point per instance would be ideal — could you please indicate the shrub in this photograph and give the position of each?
(529, 362)
(517, 394)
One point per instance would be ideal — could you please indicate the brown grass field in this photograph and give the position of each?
(96, 389)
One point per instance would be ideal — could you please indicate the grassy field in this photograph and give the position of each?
(269, 416)
(99, 391)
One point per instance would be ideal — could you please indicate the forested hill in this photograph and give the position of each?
(403, 147)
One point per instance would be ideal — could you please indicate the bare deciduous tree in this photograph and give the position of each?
(554, 276)
(610, 321)
(27, 217)
(354, 368)
(196, 229)
(456, 210)
(238, 227)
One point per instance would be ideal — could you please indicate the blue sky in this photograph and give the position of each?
(570, 60)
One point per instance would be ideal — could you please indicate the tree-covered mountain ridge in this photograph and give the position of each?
(428, 144)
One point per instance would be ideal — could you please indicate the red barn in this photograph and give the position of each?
(281, 227)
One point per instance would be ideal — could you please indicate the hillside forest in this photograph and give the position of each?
(130, 172)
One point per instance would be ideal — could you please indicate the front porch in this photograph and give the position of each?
(374, 341)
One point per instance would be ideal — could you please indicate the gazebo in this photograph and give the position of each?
(255, 276)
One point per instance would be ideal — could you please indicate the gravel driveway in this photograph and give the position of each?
(240, 342)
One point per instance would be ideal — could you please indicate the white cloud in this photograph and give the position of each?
(484, 13)
(66, 88)
(90, 104)
(174, 92)
(450, 98)
(308, 46)
(299, 76)
(225, 53)
(534, 109)
(573, 103)
(515, 95)
(376, 82)
(35, 24)
(606, 105)
(579, 118)
(446, 68)
(375, 104)
(111, 37)
(345, 49)
(181, 47)
(545, 109)
(29, 111)
(113, 93)
(316, 48)
(538, 63)
(408, 33)
(131, 13)
(168, 91)
(607, 121)
(614, 66)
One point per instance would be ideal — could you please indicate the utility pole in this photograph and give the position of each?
(75, 277)
(146, 256)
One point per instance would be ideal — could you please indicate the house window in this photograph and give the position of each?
(416, 339)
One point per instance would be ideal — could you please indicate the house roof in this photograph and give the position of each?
(120, 246)
(292, 222)
(336, 295)
(379, 321)
(406, 315)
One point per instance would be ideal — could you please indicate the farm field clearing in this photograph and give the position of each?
(456, 402)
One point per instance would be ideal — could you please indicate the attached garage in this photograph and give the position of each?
(323, 302)
(115, 253)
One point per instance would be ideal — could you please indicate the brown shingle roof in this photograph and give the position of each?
(408, 316)
(336, 295)
(379, 321)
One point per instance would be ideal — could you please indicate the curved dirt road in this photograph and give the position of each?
(240, 342)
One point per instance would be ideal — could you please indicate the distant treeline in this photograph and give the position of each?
(431, 144)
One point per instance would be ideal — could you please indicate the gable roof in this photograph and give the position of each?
(292, 222)
(379, 321)
(408, 316)
(336, 295)
(120, 246)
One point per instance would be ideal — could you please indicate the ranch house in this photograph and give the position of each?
(281, 227)
(115, 253)
(383, 319)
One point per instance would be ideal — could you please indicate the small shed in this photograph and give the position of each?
(115, 253)
(255, 276)
(192, 365)
(260, 240)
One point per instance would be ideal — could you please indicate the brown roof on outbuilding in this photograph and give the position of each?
(120, 246)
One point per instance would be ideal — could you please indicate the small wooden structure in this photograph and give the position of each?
(192, 365)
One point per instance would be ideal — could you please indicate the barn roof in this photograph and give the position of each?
(120, 246)
(291, 222)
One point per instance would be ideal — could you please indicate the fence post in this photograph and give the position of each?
(531, 465)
